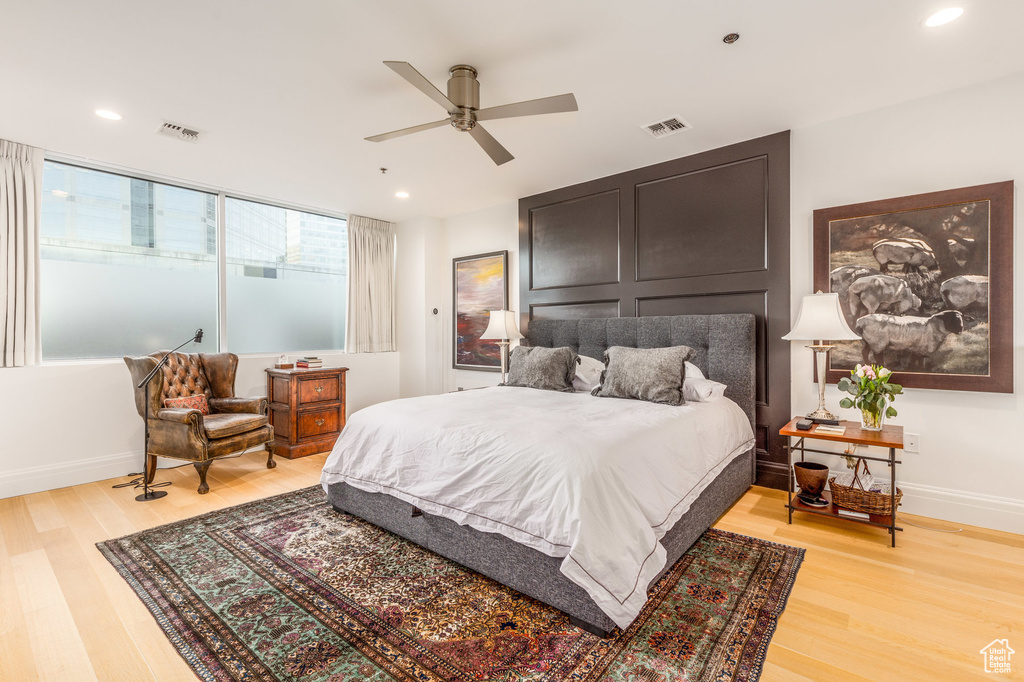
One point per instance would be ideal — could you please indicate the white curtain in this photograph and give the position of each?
(21, 195)
(371, 286)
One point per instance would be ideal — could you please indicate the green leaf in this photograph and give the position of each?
(890, 412)
(846, 403)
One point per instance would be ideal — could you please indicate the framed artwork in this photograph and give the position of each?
(480, 285)
(927, 283)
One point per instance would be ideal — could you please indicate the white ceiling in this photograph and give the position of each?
(285, 92)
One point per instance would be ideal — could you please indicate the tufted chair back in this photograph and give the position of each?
(183, 376)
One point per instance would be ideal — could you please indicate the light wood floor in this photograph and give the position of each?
(860, 610)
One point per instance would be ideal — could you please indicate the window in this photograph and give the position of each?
(129, 266)
(285, 278)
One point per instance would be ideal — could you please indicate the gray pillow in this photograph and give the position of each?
(551, 369)
(652, 374)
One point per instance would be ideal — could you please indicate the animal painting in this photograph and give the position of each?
(906, 342)
(881, 293)
(909, 254)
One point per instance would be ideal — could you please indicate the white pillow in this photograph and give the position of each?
(702, 390)
(588, 373)
(693, 371)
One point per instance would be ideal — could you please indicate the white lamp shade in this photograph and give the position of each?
(821, 318)
(502, 326)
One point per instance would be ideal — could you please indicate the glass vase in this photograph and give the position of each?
(871, 420)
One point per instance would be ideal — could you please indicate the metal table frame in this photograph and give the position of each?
(831, 509)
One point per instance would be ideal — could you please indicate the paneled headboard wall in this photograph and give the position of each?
(703, 234)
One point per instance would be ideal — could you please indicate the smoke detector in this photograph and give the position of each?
(666, 127)
(178, 132)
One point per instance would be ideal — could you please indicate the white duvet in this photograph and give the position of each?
(595, 480)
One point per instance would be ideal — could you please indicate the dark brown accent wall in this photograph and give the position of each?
(707, 233)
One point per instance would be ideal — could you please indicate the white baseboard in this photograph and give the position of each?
(52, 476)
(975, 509)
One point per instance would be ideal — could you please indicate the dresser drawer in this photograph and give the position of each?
(318, 389)
(317, 422)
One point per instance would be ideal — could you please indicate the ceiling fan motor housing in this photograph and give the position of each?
(464, 92)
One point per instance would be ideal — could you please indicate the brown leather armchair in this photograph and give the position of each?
(234, 424)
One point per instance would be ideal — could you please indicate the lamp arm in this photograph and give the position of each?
(164, 359)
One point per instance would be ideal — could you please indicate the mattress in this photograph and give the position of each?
(597, 481)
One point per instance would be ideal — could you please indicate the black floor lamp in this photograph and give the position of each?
(148, 494)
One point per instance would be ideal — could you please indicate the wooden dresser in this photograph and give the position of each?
(307, 409)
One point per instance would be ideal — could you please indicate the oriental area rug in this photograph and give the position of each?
(287, 588)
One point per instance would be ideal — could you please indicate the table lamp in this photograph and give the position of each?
(822, 320)
(502, 326)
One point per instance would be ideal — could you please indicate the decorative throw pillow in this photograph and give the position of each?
(551, 369)
(192, 402)
(588, 374)
(652, 374)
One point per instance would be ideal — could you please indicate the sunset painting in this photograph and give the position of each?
(480, 287)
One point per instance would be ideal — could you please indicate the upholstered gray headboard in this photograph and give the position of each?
(725, 344)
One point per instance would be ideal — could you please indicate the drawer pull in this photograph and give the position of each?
(319, 422)
(319, 389)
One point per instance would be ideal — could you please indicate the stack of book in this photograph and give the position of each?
(309, 363)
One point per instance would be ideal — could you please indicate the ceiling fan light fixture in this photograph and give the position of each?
(462, 104)
(944, 16)
(463, 120)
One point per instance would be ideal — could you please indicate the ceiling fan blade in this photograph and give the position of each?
(544, 105)
(408, 131)
(419, 81)
(498, 154)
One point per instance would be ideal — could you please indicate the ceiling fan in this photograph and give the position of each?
(463, 107)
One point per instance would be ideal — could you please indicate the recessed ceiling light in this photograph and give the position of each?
(402, 195)
(58, 193)
(109, 115)
(731, 38)
(944, 16)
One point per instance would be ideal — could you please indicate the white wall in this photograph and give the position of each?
(971, 461)
(70, 423)
(426, 247)
(492, 229)
(420, 291)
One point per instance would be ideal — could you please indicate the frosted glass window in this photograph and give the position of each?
(127, 266)
(286, 276)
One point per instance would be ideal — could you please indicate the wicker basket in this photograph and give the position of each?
(856, 498)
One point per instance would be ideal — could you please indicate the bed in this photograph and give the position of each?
(539, 564)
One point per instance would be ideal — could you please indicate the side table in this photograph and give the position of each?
(307, 409)
(890, 437)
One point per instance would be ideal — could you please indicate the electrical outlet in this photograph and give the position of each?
(912, 442)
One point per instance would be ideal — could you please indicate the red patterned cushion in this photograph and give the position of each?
(194, 402)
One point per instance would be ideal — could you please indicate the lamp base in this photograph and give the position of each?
(151, 495)
(821, 415)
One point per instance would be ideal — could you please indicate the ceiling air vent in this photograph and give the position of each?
(178, 132)
(670, 126)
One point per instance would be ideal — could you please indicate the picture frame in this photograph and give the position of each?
(479, 285)
(927, 281)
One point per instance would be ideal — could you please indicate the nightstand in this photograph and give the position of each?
(307, 409)
(890, 438)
